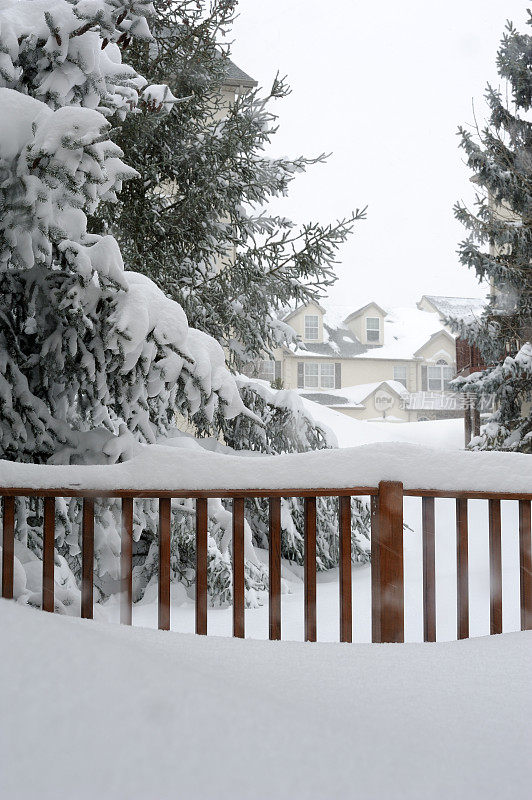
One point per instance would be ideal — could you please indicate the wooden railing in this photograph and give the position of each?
(387, 581)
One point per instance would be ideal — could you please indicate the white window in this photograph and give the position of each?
(327, 376)
(373, 329)
(312, 327)
(399, 374)
(438, 377)
(267, 371)
(319, 375)
(311, 376)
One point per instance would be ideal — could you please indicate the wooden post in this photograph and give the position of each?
(238, 569)
(475, 416)
(201, 565)
(274, 559)
(375, 572)
(48, 554)
(165, 509)
(525, 564)
(495, 566)
(429, 572)
(390, 544)
(462, 608)
(346, 601)
(87, 559)
(310, 569)
(126, 562)
(8, 547)
(468, 428)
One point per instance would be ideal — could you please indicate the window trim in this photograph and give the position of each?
(376, 330)
(331, 377)
(313, 327)
(264, 361)
(441, 365)
(404, 380)
(319, 375)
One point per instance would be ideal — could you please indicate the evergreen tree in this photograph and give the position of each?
(499, 249)
(93, 359)
(196, 220)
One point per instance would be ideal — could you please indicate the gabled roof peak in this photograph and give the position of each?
(360, 311)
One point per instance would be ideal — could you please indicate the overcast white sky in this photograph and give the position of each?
(383, 86)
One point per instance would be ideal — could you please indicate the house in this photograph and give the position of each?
(373, 363)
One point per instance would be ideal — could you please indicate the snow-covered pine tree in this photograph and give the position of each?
(93, 359)
(196, 220)
(499, 249)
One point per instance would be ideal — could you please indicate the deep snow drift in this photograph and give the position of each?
(101, 711)
(161, 467)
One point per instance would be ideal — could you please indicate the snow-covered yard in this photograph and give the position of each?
(91, 710)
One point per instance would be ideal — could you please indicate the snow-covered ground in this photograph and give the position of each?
(91, 710)
(445, 433)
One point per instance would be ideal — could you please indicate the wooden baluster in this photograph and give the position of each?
(495, 566)
(310, 569)
(462, 577)
(390, 539)
(274, 559)
(429, 571)
(8, 547)
(346, 601)
(525, 564)
(87, 559)
(48, 554)
(201, 565)
(165, 507)
(126, 562)
(375, 572)
(238, 568)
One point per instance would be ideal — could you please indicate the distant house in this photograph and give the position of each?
(371, 363)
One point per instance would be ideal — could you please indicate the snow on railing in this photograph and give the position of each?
(384, 472)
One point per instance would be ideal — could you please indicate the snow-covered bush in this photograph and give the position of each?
(288, 428)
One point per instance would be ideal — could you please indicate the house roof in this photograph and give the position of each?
(406, 330)
(435, 401)
(360, 311)
(441, 332)
(461, 308)
(234, 76)
(290, 313)
(355, 396)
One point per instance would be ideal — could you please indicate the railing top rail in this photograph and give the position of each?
(178, 472)
(351, 491)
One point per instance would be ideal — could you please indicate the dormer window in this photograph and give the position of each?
(312, 328)
(373, 329)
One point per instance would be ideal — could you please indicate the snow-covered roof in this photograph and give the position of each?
(435, 401)
(406, 330)
(361, 310)
(461, 308)
(354, 396)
